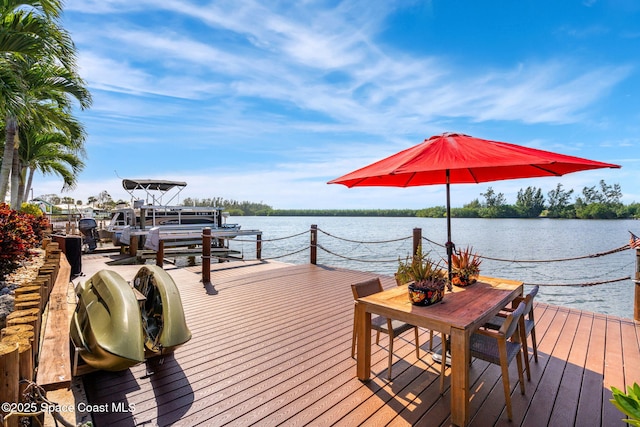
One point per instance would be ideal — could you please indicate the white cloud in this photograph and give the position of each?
(106, 6)
(310, 81)
(291, 52)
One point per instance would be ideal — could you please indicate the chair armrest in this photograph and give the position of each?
(489, 333)
(516, 302)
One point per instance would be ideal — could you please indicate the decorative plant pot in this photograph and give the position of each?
(420, 295)
(462, 281)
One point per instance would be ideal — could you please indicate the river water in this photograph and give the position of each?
(375, 244)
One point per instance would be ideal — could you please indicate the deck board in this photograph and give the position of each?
(271, 346)
(54, 371)
(563, 412)
(590, 404)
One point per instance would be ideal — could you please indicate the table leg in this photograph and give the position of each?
(459, 377)
(363, 324)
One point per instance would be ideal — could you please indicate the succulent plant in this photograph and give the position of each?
(422, 270)
(465, 263)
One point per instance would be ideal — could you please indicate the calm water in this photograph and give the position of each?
(510, 240)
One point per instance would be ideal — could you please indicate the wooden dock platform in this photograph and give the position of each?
(272, 343)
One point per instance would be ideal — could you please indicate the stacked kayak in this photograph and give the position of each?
(163, 322)
(116, 326)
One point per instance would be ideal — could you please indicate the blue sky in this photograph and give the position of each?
(267, 101)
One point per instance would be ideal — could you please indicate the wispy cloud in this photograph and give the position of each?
(303, 82)
(278, 59)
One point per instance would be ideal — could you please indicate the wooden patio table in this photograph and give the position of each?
(460, 313)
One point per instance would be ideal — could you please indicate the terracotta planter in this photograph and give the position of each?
(462, 281)
(420, 295)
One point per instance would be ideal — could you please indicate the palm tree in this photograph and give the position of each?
(49, 96)
(29, 34)
(48, 152)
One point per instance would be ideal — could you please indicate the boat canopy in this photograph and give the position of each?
(151, 184)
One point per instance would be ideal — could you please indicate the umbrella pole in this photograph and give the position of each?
(449, 245)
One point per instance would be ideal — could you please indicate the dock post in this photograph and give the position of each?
(133, 245)
(636, 305)
(259, 246)
(160, 254)
(417, 239)
(313, 244)
(206, 256)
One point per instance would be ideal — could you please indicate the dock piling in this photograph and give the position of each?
(206, 256)
(313, 245)
(636, 303)
(417, 239)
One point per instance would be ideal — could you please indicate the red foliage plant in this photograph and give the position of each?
(19, 234)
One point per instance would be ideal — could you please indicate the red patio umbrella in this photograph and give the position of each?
(453, 158)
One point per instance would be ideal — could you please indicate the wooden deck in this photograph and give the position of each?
(271, 346)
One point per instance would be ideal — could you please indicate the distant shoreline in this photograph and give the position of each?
(391, 213)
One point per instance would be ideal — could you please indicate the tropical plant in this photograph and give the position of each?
(39, 78)
(628, 404)
(19, 234)
(421, 270)
(51, 88)
(49, 152)
(31, 209)
(24, 29)
(465, 266)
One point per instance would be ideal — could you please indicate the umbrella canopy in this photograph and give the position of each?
(468, 160)
(462, 159)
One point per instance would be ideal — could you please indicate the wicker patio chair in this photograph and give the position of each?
(495, 347)
(527, 326)
(378, 323)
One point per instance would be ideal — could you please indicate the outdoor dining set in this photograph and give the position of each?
(489, 320)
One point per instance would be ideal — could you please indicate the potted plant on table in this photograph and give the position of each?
(465, 267)
(425, 277)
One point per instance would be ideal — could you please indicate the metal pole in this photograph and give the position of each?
(449, 245)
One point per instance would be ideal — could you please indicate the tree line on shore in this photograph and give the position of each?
(596, 202)
(601, 202)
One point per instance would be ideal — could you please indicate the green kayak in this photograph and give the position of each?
(161, 311)
(107, 307)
